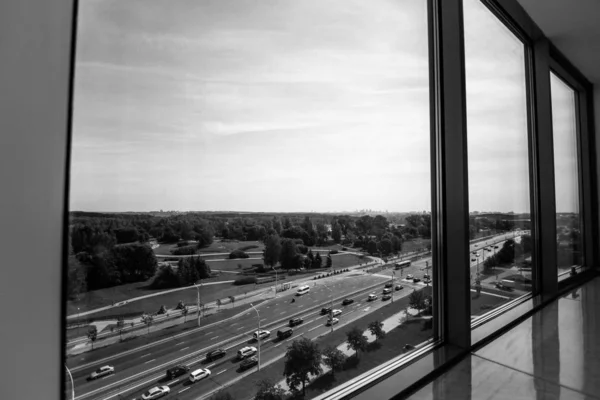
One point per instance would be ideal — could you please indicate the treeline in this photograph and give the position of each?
(189, 271)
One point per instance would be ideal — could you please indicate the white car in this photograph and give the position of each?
(335, 313)
(156, 392)
(199, 374)
(102, 371)
(332, 321)
(372, 297)
(246, 352)
(261, 334)
(387, 291)
(410, 276)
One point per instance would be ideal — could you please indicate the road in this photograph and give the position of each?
(148, 365)
(138, 369)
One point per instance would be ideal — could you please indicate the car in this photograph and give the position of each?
(347, 301)
(296, 321)
(415, 280)
(199, 374)
(474, 253)
(426, 276)
(496, 246)
(262, 334)
(156, 392)
(387, 291)
(325, 310)
(246, 352)
(473, 259)
(488, 249)
(332, 321)
(335, 313)
(409, 276)
(427, 280)
(389, 285)
(177, 371)
(284, 333)
(213, 355)
(248, 363)
(372, 297)
(102, 371)
(386, 297)
(399, 287)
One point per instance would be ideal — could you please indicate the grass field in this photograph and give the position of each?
(485, 300)
(412, 332)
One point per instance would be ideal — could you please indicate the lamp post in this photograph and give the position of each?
(330, 312)
(275, 283)
(78, 321)
(477, 256)
(72, 384)
(258, 334)
(393, 276)
(198, 301)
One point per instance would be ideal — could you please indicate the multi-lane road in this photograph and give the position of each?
(138, 369)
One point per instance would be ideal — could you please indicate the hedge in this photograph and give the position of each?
(238, 254)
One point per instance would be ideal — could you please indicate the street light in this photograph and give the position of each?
(198, 301)
(258, 334)
(72, 384)
(275, 282)
(331, 311)
(78, 321)
(393, 276)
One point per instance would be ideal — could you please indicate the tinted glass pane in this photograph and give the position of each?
(498, 160)
(237, 165)
(568, 220)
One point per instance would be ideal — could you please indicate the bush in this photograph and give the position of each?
(183, 243)
(185, 250)
(165, 278)
(238, 254)
(245, 280)
(343, 248)
(333, 252)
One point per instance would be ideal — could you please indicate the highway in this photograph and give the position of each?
(138, 369)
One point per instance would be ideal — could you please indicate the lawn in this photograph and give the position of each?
(415, 245)
(338, 261)
(227, 247)
(412, 332)
(485, 300)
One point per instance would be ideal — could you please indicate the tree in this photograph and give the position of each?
(302, 359)
(372, 247)
(336, 232)
(134, 262)
(93, 335)
(334, 359)
(356, 340)
(317, 262)
(269, 391)
(148, 320)
(272, 250)
(127, 235)
(288, 254)
(222, 395)
(386, 246)
(376, 329)
(417, 300)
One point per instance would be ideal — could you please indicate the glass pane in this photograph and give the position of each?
(238, 168)
(498, 160)
(568, 219)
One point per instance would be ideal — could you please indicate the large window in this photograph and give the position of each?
(499, 194)
(566, 173)
(250, 186)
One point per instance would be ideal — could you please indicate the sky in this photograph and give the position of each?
(283, 106)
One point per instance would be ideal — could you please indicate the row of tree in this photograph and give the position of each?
(189, 271)
(291, 254)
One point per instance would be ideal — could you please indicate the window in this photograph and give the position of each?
(229, 155)
(566, 173)
(498, 160)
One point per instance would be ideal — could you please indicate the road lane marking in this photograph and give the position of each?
(264, 319)
(312, 320)
(220, 372)
(146, 355)
(312, 329)
(185, 348)
(107, 376)
(235, 323)
(211, 365)
(180, 343)
(214, 338)
(170, 383)
(281, 313)
(208, 333)
(150, 361)
(241, 327)
(183, 390)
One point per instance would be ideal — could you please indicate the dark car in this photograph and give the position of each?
(296, 321)
(386, 297)
(177, 371)
(415, 280)
(389, 285)
(347, 301)
(248, 363)
(213, 355)
(325, 310)
(284, 333)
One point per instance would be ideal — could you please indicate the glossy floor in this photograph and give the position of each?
(555, 354)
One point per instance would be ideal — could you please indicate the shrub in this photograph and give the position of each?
(245, 280)
(165, 278)
(343, 248)
(183, 243)
(238, 254)
(333, 252)
(185, 250)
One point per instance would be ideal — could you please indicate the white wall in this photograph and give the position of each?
(34, 77)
